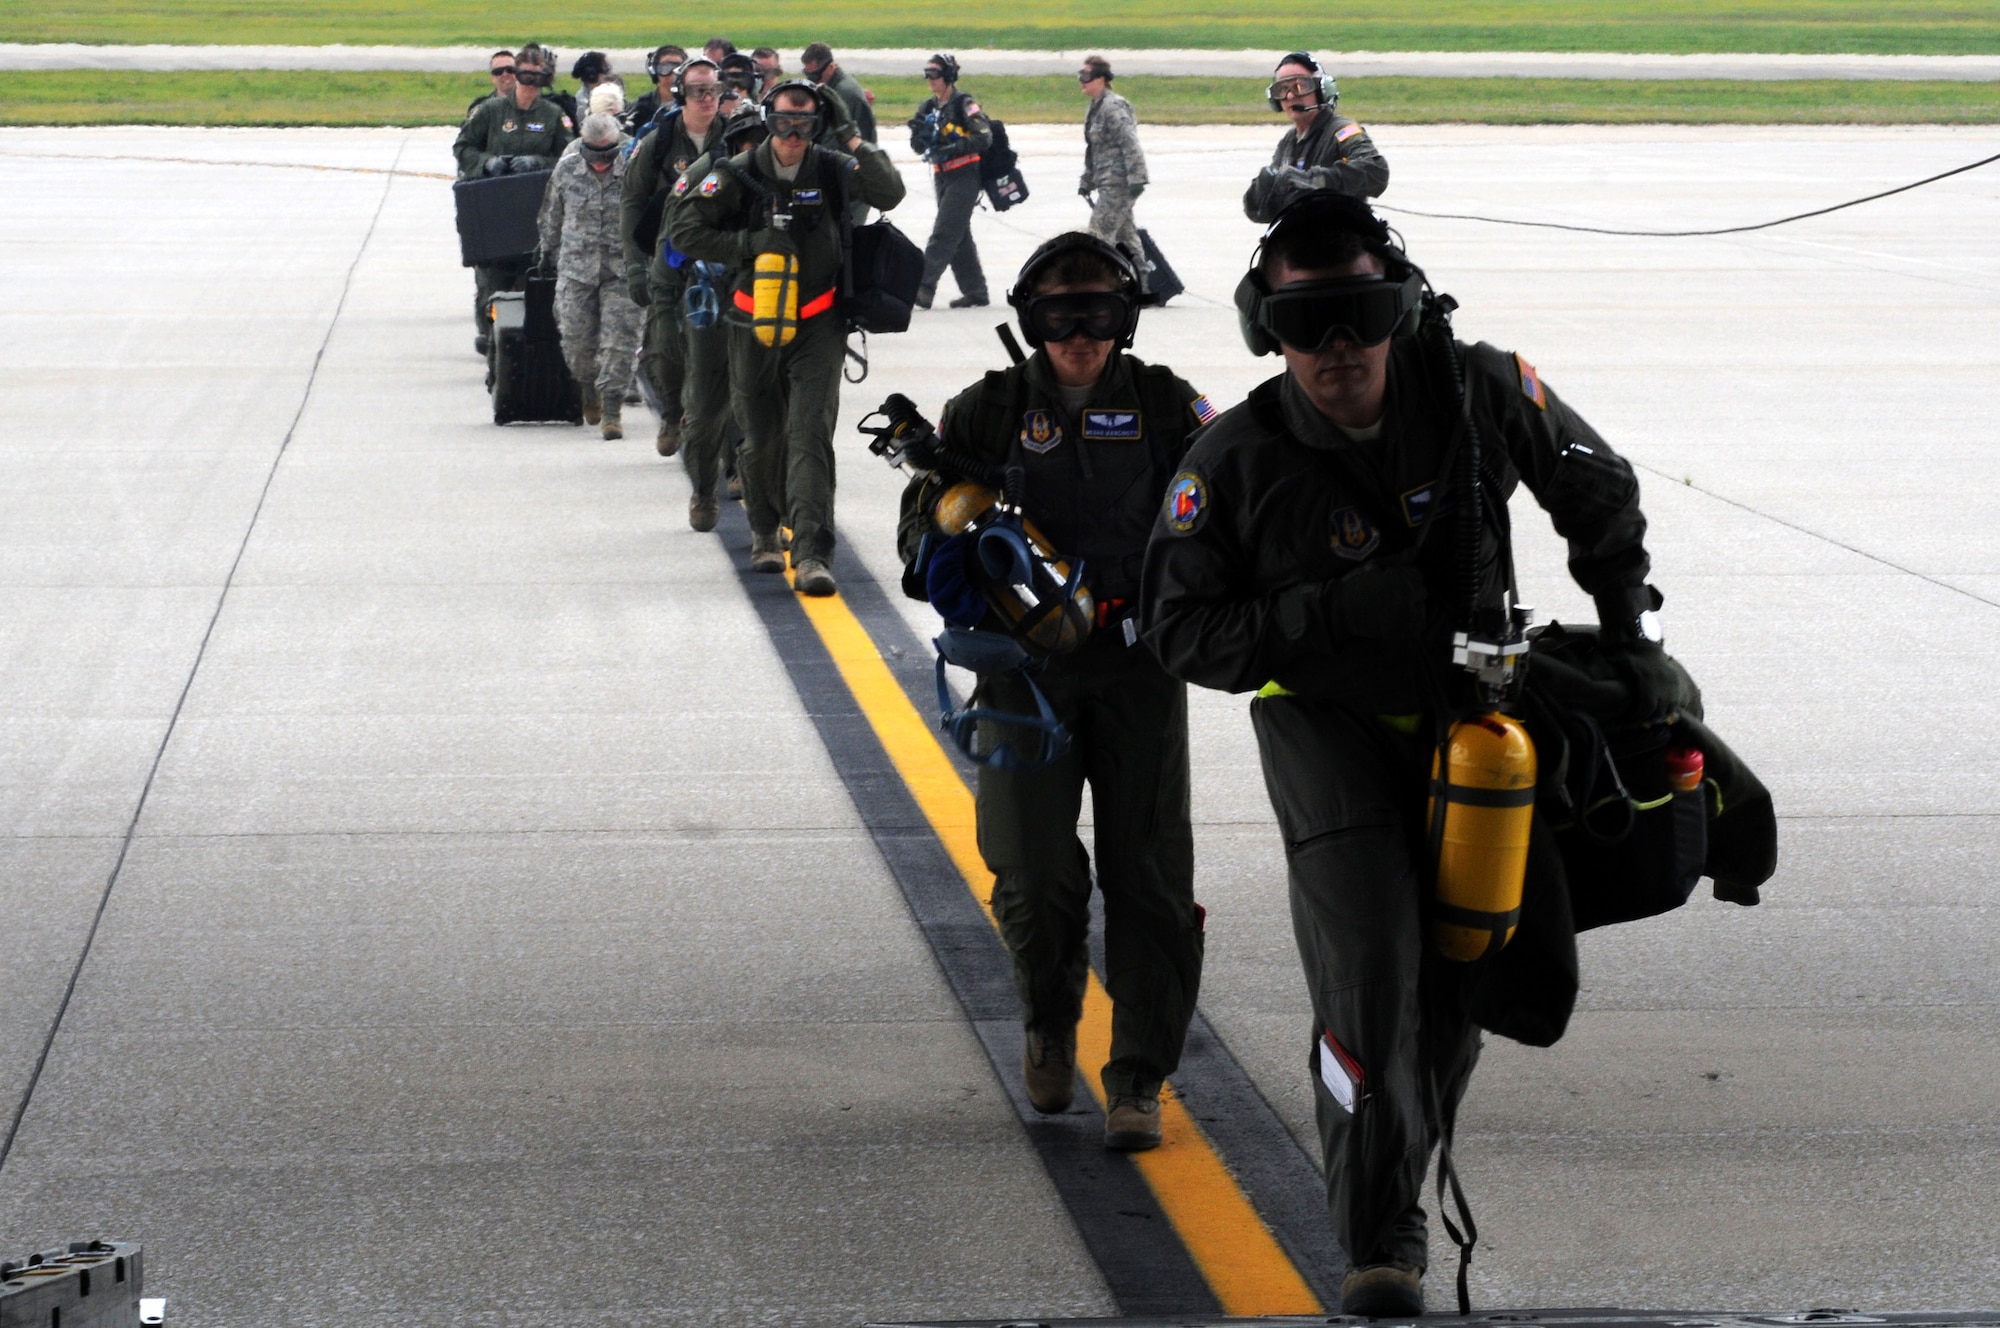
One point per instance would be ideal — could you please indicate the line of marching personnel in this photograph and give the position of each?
(1279, 547)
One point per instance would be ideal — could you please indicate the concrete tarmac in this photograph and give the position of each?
(490, 941)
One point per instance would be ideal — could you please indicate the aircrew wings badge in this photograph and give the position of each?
(1187, 502)
(1531, 383)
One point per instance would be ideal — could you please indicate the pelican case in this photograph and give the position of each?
(496, 217)
(529, 378)
(91, 1284)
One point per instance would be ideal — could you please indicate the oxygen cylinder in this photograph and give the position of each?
(1031, 608)
(1488, 787)
(774, 299)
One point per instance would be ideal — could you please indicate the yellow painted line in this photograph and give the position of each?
(1237, 1254)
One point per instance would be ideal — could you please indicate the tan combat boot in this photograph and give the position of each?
(668, 440)
(613, 425)
(1383, 1291)
(765, 555)
(593, 409)
(813, 578)
(1132, 1123)
(1048, 1067)
(702, 513)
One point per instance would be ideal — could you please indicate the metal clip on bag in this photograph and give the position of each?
(991, 654)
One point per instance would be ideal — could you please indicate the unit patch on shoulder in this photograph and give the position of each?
(1345, 132)
(1187, 502)
(972, 108)
(1112, 424)
(1039, 432)
(1204, 409)
(1354, 535)
(566, 123)
(1531, 383)
(1417, 505)
(710, 184)
(680, 186)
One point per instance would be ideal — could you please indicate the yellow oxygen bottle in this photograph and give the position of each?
(1488, 789)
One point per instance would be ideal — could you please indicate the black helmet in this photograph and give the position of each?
(945, 63)
(1123, 323)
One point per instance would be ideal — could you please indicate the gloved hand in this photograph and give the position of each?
(1083, 188)
(1138, 189)
(544, 265)
(522, 165)
(498, 164)
(1383, 600)
(949, 586)
(1651, 679)
(635, 284)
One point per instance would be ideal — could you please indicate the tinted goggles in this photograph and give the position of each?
(794, 124)
(1099, 315)
(1313, 314)
(502, 71)
(607, 153)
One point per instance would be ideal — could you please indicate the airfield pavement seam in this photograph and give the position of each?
(878, 61)
(194, 668)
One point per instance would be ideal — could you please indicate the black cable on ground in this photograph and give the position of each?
(1721, 230)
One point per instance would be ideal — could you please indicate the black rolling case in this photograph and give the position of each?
(1162, 285)
(496, 217)
(530, 380)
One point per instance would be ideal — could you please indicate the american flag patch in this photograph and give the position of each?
(1346, 132)
(1203, 410)
(1531, 383)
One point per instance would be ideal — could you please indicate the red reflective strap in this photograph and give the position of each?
(1107, 609)
(745, 303)
(817, 306)
(957, 162)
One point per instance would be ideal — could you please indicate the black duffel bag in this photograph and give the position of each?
(1000, 172)
(1632, 846)
(879, 286)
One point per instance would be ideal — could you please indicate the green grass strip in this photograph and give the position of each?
(1876, 26)
(355, 99)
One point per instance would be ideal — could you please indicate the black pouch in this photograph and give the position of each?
(1632, 846)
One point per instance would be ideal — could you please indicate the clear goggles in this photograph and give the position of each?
(1296, 85)
(793, 124)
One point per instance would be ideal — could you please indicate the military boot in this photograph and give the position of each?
(593, 409)
(970, 302)
(702, 513)
(1383, 1291)
(813, 578)
(924, 297)
(765, 555)
(613, 422)
(1048, 1067)
(668, 440)
(1132, 1123)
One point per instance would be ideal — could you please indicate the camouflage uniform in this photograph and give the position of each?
(498, 127)
(598, 320)
(1334, 153)
(1114, 168)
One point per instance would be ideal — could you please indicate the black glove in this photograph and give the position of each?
(1651, 679)
(523, 165)
(497, 165)
(545, 264)
(635, 284)
(1138, 189)
(1383, 601)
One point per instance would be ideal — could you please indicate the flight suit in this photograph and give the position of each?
(1273, 515)
(498, 127)
(1093, 482)
(785, 397)
(951, 135)
(1335, 153)
(657, 163)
